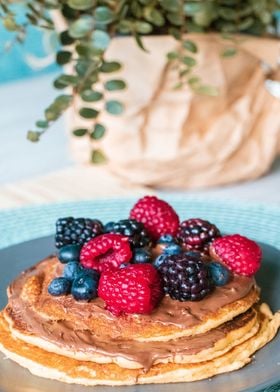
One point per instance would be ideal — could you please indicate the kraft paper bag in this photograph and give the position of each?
(178, 139)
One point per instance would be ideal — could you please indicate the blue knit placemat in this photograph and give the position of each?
(257, 221)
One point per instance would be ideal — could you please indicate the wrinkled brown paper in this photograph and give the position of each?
(174, 138)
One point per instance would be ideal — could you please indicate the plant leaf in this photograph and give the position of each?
(228, 13)
(65, 80)
(51, 113)
(98, 131)
(191, 8)
(81, 4)
(190, 61)
(82, 66)
(91, 96)
(175, 18)
(136, 10)
(98, 157)
(42, 124)
(114, 85)
(114, 107)
(211, 91)
(63, 101)
(140, 42)
(171, 5)
(80, 132)
(33, 136)
(178, 86)
(110, 66)
(193, 80)
(172, 55)
(154, 16)
(65, 38)
(10, 24)
(245, 24)
(63, 57)
(190, 46)
(100, 39)
(103, 15)
(125, 26)
(175, 32)
(143, 27)
(81, 27)
(88, 113)
(229, 52)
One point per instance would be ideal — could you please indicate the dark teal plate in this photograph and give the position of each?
(262, 372)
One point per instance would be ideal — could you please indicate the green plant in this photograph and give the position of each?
(91, 24)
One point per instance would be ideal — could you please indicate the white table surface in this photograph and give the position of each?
(30, 172)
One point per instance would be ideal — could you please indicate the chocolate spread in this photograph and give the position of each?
(182, 314)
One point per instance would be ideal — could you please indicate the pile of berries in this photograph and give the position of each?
(132, 263)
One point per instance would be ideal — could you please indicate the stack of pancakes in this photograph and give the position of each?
(81, 342)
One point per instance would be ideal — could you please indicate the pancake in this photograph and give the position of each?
(64, 339)
(69, 370)
(170, 320)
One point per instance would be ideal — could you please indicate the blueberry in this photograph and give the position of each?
(89, 271)
(166, 239)
(141, 256)
(69, 253)
(84, 287)
(172, 249)
(219, 273)
(72, 270)
(108, 228)
(159, 260)
(59, 286)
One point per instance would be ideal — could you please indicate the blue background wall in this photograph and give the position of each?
(13, 63)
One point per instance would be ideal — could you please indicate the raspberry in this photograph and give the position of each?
(239, 253)
(135, 231)
(133, 289)
(76, 231)
(107, 251)
(197, 234)
(185, 278)
(157, 216)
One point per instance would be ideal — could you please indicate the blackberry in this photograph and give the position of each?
(185, 278)
(135, 231)
(197, 234)
(76, 231)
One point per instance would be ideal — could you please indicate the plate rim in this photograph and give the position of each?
(261, 387)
